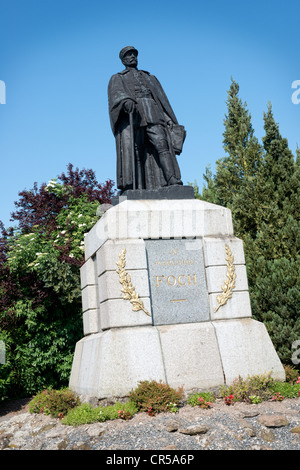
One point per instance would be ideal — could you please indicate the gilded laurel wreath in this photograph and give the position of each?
(127, 287)
(229, 283)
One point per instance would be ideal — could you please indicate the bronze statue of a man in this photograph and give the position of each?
(142, 122)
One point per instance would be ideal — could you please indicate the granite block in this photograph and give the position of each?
(108, 255)
(191, 356)
(110, 286)
(246, 349)
(215, 253)
(159, 219)
(89, 298)
(88, 273)
(216, 275)
(118, 313)
(236, 307)
(86, 365)
(91, 322)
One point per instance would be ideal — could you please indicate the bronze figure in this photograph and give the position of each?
(146, 130)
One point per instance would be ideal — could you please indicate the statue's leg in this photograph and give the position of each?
(157, 136)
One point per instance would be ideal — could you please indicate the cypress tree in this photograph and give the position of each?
(274, 263)
(260, 184)
(233, 185)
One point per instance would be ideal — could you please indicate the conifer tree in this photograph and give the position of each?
(274, 261)
(261, 186)
(233, 185)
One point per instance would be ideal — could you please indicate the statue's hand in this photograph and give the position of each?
(170, 124)
(129, 106)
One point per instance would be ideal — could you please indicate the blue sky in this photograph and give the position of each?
(56, 58)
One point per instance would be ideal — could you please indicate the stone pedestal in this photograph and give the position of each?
(165, 297)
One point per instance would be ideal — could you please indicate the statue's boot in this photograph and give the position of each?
(166, 161)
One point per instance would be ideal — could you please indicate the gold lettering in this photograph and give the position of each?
(194, 277)
(181, 280)
(168, 280)
(159, 280)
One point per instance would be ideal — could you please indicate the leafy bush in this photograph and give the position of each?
(56, 403)
(286, 389)
(291, 374)
(154, 397)
(243, 389)
(87, 414)
(193, 399)
(40, 300)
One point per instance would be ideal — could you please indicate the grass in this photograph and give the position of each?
(286, 389)
(193, 399)
(87, 414)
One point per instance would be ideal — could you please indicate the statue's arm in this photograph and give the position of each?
(118, 96)
(163, 99)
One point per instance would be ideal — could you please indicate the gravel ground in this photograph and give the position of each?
(266, 426)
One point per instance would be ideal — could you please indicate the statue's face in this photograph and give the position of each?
(130, 59)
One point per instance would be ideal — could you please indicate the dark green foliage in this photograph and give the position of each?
(154, 397)
(260, 183)
(40, 301)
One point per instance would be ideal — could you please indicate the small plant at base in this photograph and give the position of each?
(193, 399)
(242, 389)
(124, 415)
(291, 374)
(172, 407)
(53, 402)
(277, 397)
(155, 397)
(229, 400)
(204, 404)
(285, 389)
(150, 411)
(255, 399)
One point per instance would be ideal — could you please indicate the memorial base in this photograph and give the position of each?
(155, 306)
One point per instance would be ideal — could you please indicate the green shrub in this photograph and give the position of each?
(286, 389)
(193, 399)
(243, 389)
(255, 399)
(154, 397)
(87, 414)
(54, 402)
(291, 374)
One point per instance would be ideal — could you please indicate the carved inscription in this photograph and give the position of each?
(177, 281)
(181, 280)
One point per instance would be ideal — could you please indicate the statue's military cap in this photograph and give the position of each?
(126, 49)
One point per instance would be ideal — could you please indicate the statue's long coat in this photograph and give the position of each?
(149, 173)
